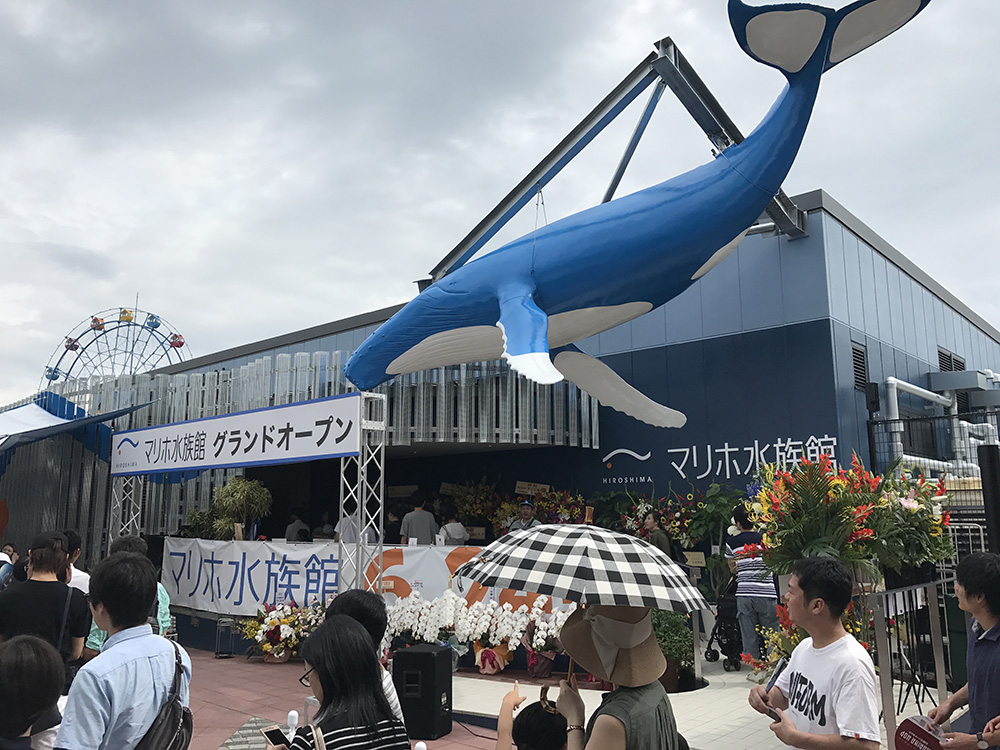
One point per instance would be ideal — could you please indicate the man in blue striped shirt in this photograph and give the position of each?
(116, 696)
(756, 597)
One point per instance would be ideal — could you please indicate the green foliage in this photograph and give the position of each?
(609, 507)
(200, 525)
(674, 637)
(863, 519)
(713, 513)
(241, 501)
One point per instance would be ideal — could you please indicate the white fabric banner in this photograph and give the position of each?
(323, 428)
(237, 578)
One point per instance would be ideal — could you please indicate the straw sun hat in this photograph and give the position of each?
(615, 643)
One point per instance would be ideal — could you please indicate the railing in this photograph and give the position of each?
(913, 654)
(937, 445)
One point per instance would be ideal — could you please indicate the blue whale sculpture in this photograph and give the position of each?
(529, 300)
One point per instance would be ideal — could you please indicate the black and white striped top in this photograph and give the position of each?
(752, 576)
(386, 735)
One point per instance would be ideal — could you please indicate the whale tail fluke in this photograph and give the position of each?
(788, 36)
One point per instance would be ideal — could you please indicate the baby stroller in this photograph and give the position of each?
(726, 633)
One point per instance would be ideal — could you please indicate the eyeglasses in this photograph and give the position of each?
(304, 679)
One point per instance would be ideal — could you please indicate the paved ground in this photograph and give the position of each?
(232, 698)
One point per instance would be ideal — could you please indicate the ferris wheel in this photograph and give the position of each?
(119, 341)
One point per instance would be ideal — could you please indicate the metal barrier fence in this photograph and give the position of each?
(916, 631)
(937, 445)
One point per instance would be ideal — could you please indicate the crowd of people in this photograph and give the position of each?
(84, 666)
(83, 663)
(416, 520)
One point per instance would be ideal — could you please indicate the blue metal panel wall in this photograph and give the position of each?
(763, 386)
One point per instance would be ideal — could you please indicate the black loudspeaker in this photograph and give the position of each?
(871, 398)
(422, 676)
(989, 466)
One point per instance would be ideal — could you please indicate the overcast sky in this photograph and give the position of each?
(253, 168)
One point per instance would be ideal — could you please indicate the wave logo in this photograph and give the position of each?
(126, 440)
(624, 452)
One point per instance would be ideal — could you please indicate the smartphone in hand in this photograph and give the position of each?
(275, 736)
(778, 669)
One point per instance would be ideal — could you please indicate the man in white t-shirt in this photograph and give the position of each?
(295, 525)
(78, 579)
(826, 696)
(347, 532)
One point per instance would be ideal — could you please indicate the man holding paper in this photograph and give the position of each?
(826, 696)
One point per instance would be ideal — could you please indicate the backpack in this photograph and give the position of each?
(173, 726)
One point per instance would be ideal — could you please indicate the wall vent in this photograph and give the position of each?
(859, 357)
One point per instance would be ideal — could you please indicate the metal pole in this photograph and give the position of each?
(885, 663)
(937, 641)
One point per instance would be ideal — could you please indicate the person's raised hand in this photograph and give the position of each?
(513, 699)
(569, 703)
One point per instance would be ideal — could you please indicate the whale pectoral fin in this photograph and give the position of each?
(525, 328)
(607, 386)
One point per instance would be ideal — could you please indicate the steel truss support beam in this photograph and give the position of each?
(666, 66)
(126, 508)
(362, 501)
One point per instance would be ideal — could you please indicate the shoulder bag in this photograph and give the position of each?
(173, 726)
(71, 666)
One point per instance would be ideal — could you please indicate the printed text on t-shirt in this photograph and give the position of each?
(803, 698)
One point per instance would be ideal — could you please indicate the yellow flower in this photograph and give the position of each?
(690, 496)
(272, 622)
(284, 620)
(701, 505)
(267, 647)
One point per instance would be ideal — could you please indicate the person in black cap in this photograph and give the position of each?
(526, 519)
(45, 606)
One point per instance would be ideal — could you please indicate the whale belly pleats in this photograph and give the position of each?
(574, 325)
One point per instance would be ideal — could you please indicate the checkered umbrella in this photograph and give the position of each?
(585, 564)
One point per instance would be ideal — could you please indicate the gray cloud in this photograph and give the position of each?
(249, 168)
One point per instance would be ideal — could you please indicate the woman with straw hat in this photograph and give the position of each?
(618, 644)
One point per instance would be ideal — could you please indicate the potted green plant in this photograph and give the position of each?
(242, 501)
(676, 641)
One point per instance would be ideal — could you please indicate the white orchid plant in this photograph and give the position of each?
(451, 619)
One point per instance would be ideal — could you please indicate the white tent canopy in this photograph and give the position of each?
(28, 423)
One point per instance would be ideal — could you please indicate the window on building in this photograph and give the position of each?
(859, 356)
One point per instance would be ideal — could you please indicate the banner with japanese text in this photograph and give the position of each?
(323, 428)
(237, 578)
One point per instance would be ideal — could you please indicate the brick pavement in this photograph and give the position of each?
(228, 696)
